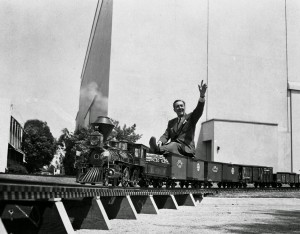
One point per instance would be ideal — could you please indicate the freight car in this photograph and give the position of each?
(121, 163)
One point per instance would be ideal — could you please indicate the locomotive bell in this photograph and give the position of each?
(104, 125)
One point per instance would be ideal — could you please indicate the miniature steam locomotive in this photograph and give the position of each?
(127, 164)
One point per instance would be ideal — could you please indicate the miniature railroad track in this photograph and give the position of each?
(30, 188)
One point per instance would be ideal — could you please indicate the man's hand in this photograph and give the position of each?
(159, 143)
(202, 89)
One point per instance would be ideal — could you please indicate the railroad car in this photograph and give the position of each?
(212, 173)
(286, 178)
(245, 175)
(194, 173)
(230, 176)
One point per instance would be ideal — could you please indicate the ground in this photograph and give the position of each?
(226, 213)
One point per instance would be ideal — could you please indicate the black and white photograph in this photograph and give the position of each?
(149, 116)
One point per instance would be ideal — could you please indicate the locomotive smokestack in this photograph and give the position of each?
(104, 125)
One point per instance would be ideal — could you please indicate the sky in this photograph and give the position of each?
(42, 47)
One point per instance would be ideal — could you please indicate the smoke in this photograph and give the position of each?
(91, 93)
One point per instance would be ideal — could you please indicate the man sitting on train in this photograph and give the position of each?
(179, 135)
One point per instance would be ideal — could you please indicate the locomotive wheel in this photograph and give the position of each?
(125, 177)
(187, 184)
(181, 184)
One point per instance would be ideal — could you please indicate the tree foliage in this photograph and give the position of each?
(39, 145)
(125, 133)
(79, 141)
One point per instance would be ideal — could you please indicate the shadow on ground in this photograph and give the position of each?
(280, 222)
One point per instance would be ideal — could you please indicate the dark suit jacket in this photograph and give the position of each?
(184, 132)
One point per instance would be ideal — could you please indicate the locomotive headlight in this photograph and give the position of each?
(96, 139)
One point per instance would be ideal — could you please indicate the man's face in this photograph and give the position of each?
(179, 108)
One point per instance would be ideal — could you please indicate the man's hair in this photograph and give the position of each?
(178, 100)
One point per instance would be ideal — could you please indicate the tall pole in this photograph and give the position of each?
(207, 38)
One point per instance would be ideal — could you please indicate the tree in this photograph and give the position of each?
(39, 145)
(79, 141)
(124, 133)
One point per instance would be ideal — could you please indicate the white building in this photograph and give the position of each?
(142, 55)
(10, 137)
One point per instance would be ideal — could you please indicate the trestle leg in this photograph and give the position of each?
(119, 207)
(47, 216)
(87, 213)
(198, 197)
(144, 204)
(185, 200)
(165, 202)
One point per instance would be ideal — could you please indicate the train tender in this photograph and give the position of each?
(121, 163)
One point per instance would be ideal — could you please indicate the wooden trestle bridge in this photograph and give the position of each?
(36, 204)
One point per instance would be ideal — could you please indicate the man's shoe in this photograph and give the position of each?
(153, 146)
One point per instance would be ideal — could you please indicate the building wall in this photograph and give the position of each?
(5, 114)
(241, 142)
(295, 106)
(293, 48)
(247, 53)
(293, 36)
